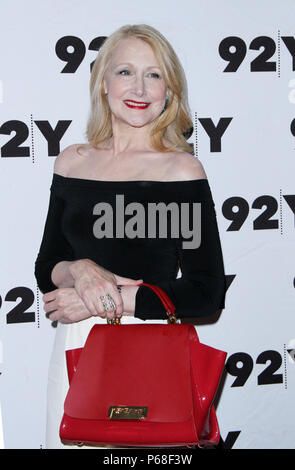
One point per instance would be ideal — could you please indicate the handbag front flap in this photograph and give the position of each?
(133, 372)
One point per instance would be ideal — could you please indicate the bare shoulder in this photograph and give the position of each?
(68, 157)
(187, 167)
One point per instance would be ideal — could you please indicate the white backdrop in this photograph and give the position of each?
(239, 58)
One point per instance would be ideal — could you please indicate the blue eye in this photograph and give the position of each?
(156, 75)
(126, 72)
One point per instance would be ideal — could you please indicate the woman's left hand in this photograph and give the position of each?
(65, 305)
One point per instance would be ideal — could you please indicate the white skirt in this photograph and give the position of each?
(69, 336)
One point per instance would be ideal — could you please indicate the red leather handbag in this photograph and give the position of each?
(143, 385)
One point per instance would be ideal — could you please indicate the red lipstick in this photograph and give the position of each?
(136, 104)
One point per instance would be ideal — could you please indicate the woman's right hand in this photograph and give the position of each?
(92, 281)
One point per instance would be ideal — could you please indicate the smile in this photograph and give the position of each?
(136, 104)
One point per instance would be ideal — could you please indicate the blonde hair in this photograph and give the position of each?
(171, 124)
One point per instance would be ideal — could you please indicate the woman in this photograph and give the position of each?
(136, 149)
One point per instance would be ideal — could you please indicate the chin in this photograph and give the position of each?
(136, 123)
(145, 122)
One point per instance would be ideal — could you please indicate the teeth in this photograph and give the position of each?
(136, 104)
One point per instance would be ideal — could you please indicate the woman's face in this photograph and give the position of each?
(134, 84)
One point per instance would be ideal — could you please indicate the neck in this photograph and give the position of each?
(129, 139)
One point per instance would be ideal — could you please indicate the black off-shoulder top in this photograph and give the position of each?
(69, 234)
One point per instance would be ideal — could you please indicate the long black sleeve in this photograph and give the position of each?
(200, 291)
(54, 246)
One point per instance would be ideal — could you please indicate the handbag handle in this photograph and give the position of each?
(166, 301)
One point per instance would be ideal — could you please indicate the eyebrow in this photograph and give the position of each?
(128, 63)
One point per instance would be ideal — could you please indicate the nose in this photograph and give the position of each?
(139, 86)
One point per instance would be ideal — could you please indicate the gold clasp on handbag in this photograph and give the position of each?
(128, 412)
(171, 319)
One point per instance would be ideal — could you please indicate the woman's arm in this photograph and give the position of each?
(56, 267)
(54, 248)
(200, 291)
(61, 274)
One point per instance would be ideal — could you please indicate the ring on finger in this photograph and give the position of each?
(116, 318)
(111, 301)
(104, 303)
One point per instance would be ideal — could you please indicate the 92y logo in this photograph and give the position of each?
(14, 147)
(237, 209)
(72, 50)
(241, 364)
(234, 50)
(19, 313)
